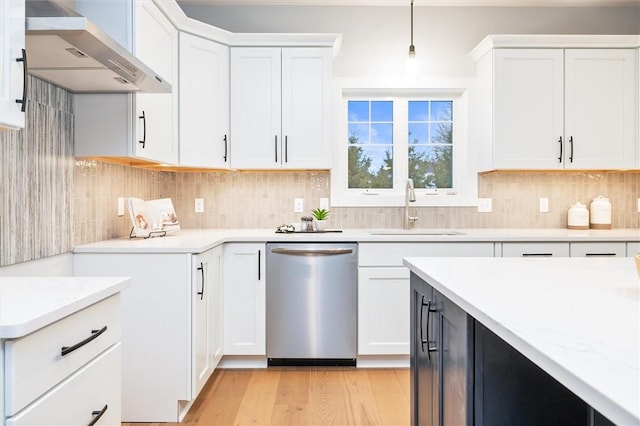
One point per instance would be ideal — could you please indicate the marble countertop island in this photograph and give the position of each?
(30, 303)
(576, 318)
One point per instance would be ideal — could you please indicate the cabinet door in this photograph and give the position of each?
(306, 107)
(600, 111)
(255, 107)
(528, 108)
(156, 44)
(204, 102)
(203, 271)
(535, 249)
(383, 306)
(244, 299)
(12, 66)
(594, 249)
(424, 369)
(456, 355)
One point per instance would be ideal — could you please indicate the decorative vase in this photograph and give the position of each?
(320, 225)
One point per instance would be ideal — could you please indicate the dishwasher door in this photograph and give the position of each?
(311, 303)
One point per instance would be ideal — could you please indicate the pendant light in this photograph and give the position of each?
(411, 58)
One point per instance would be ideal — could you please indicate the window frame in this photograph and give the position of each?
(464, 192)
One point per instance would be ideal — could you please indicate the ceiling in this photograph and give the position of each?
(494, 3)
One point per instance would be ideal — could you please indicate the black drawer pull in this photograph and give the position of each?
(97, 414)
(599, 254)
(65, 350)
(536, 254)
(23, 101)
(201, 269)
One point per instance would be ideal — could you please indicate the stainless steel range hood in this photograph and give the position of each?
(69, 51)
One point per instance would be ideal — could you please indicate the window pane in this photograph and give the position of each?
(358, 110)
(382, 133)
(441, 111)
(441, 133)
(382, 111)
(418, 110)
(358, 133)
(431, 167)
(370, 167)
(418, 133)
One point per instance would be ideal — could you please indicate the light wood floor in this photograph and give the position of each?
(300, 396)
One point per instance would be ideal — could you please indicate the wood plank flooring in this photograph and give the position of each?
(300, 396)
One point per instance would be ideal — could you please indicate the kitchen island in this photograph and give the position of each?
(577, 319)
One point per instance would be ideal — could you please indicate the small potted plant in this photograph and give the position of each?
(320, 216)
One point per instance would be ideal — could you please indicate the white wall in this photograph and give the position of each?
(376, 39)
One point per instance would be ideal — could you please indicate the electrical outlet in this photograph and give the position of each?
(638, 205)
(120, 206)
(484, 205)
(199, 205)
(298, 205)
(324, 203)
(543, 205)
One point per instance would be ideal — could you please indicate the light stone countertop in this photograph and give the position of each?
(576, 318)
(199, 240)
(30, 303)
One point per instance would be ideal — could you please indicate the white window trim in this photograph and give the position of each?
(465, 176)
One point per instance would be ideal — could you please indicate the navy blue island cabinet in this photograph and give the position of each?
(464, 374)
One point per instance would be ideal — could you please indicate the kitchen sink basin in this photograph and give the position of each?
(415, 232)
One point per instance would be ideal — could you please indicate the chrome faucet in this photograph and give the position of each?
(409, 197)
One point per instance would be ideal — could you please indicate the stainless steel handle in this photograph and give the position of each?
(311, 252)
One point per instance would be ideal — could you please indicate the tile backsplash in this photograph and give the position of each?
(52, 201)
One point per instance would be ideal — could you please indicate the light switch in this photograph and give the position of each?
(484, 205)
(199, 205)
(543, 205)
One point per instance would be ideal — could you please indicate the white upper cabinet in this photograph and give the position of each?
(204, 102)
(558, 108)
(12, 64)
(141, 125)
(281, 107)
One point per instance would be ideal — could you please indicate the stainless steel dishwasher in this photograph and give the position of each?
(311, 303)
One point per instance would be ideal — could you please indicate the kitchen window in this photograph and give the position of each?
(388, 136)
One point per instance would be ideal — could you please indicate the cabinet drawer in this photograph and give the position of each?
(73, 402)
(34, 363)
(633, 249)
(609, 249)
(391, 254)
(535, 249)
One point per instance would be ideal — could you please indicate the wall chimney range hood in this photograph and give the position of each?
(70, 51)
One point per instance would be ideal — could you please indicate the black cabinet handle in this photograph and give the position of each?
(143, 117)
(65, 350)
(571, 153)
(201, 269)
(422, 339)
(23, 101)
(275, 144)
(226, 148)
(536, 254)
(97, 414)
(286, 149)
(259, 256)
(560, 157)
(600, 254)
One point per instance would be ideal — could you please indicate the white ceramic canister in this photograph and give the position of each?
(578, 216)
(600, 213)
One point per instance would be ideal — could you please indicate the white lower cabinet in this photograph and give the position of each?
(91, 393)
(244, 299)
(207, 315)
(633, 249)
(535, 249)
(167, 326)
(383, 291)
(67, 372)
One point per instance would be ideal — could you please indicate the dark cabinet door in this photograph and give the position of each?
(424, 373)
(456, 355)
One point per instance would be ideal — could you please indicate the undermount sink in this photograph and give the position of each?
(415, 232)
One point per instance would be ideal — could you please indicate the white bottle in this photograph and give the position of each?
(600, 213)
